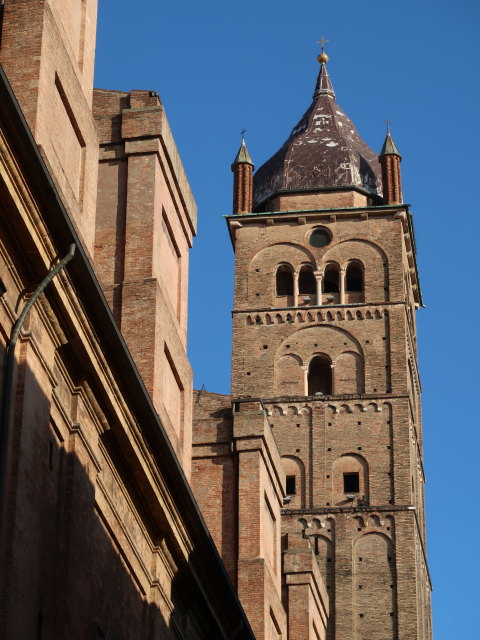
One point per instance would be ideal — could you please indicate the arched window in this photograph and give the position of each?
(295, 481)
(354, 277)
(320, 376)
(350, 479)
(306, 282)
(284, 281)
(331, 279)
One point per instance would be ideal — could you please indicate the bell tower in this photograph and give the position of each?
(324, 339)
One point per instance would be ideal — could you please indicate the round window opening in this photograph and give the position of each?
(319, 238)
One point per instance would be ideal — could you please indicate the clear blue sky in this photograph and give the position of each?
(220, 66)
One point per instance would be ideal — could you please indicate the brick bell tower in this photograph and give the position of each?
(324, 340)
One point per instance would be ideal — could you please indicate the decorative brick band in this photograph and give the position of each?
(278, 316)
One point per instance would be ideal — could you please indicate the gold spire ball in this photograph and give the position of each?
(323, 56)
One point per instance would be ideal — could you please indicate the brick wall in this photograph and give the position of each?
(307, 598)
(313, 200)
(144, 229)
(99, 534)
(215, 473)
(238, 480)
(56, 43)
(368, 426)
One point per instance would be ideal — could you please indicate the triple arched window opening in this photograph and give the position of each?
(354, 279)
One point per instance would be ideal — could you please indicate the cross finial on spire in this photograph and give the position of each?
(322, 42)
(388, 123)
(323, 56)
(243, 132)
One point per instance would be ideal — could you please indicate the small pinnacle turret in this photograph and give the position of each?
(242, 168)
(243, 156)
(391, 177)
(389, 147)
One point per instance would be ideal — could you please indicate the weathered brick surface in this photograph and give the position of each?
(214, 473)
(306, 593)
(242, 187)
(238, 481)
(324, 565)
(369, 546)
(144, 229)
(47, 51)
(370, 425)
(94, 541)
(298, 201)
(392, 190)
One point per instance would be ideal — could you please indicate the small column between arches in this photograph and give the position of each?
(319, 280)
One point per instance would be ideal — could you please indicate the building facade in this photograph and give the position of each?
(317, 453)
(100, 535)
(309, 475)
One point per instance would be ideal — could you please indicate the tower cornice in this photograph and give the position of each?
(344, 397)
(373, 210)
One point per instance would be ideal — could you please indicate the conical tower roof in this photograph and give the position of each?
(389, 147)
(243, 157)
(323, 151)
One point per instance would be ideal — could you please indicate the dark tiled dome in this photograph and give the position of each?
(324, 150)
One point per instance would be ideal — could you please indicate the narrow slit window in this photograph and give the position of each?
(291, 486)
(351, 483)
(320, 376)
